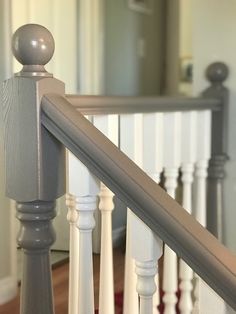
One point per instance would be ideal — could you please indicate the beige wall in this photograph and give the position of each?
(214, 22)
(185, 28)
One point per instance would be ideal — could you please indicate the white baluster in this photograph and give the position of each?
(153, 164)
(170, 258)
(106, 295)
(200, 197)
(146, 257)
(203, 137)
(131, 134)
(146, 286)
(72, 217)
(196, 295)
(109, 126)
(171, 153)
(83, 187)
(171, 180)
(189, 141)
(186, 273)
(131, 301)
(86, 206)
(156, 298)
(200, 215)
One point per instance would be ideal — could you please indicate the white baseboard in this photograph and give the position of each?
(118, 236)
(8, 289)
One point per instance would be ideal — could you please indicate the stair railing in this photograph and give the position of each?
(39, 121)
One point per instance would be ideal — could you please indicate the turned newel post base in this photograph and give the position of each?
(146, 286)
(216, 175)
(35, 237)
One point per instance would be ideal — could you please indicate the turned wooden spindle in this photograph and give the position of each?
(108, 125)
(153, 165)
(86, 206)
(72, 217)
(172, 150)
(83, 189)
(131, 143)
(188, 158)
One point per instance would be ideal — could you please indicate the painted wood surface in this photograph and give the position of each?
(131, 141)
(200, 184)
(72, 217)
(172, 155)
(153, 164)
(108, 125)
(106, 291)
(81, 201)
(35, 238)
(188, 159)
(148, 200)
(85, 223)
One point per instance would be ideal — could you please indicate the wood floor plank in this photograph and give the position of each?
(60, 284)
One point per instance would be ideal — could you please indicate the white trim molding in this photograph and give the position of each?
(91, 47)
(8, 289)
(91, 66)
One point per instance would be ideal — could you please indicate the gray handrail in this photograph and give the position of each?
(35, 168)
(193, 243)
(95, 105)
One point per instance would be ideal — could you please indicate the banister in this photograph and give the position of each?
(33, 104)
(202, 251)
(126, 104)
(214, 98)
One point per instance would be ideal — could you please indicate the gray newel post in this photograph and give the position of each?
(217, 73)
(35, 163)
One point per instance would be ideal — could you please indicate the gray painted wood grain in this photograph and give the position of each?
(35, 160)
(217, 73)
(95, 105)
(35, 237)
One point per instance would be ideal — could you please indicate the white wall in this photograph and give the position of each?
(214, 25)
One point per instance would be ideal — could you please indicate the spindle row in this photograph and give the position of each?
(173, 149)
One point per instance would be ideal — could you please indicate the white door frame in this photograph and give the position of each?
(8, 281)
(91, 47)
(91, 66)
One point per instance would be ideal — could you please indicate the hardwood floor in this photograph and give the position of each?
(60, 285)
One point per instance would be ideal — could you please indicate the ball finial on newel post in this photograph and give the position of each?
(33, 46)
(217, 72)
